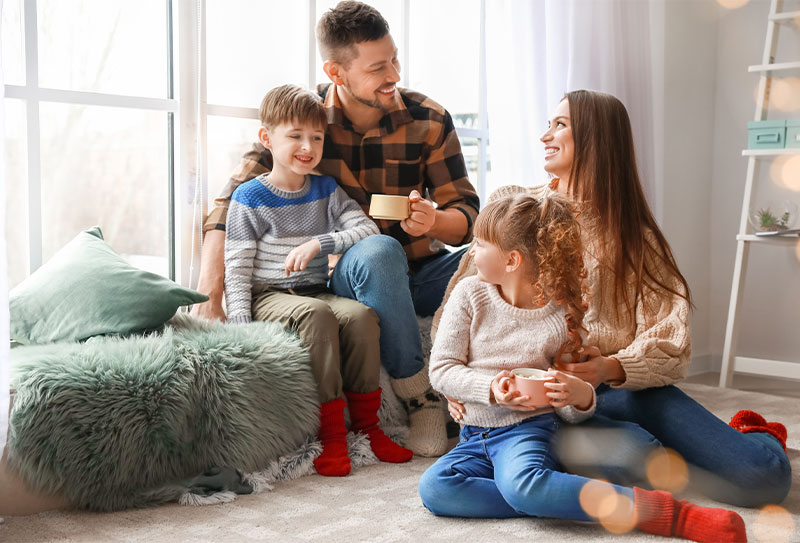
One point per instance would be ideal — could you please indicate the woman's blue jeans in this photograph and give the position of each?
(505, 472)
(375, 272)
(746, 470)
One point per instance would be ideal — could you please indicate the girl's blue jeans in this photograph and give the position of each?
(505, 472)
(746, 470)
(375, 272)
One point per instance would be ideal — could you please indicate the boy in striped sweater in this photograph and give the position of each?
(280, 229)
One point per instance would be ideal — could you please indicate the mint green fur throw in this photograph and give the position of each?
(118, 422)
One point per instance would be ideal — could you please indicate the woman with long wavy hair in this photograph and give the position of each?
(638, 341)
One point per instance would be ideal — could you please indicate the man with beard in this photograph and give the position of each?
(379, 140)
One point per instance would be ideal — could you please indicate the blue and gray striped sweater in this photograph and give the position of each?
(265, 223)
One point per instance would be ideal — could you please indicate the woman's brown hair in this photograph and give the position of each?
(604, 175)
(547, 234)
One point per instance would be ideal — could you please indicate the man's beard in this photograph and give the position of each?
(375, 104)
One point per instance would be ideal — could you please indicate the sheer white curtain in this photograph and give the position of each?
(5, 367)
(538, 50)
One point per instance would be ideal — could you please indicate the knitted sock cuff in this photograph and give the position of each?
(429, 400)
(655, 511)
(414, 386)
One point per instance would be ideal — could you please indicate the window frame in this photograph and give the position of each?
(187, 115)
(32, 95)
(481, 133)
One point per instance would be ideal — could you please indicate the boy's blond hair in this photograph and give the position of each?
(290, 103)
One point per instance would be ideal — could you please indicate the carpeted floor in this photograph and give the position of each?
(380, 503)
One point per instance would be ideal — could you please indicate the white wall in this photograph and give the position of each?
(771, 303)
(708, 99)
(690, 45)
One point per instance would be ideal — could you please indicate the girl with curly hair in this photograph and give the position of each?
(638, 339)
(525, 308)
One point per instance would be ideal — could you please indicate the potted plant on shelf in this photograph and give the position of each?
(773, 216)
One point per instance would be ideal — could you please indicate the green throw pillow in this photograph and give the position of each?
(86, 290)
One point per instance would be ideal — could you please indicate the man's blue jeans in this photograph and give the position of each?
(505, 472)
(375, 272)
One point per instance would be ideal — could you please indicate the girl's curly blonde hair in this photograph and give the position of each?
(547, 234)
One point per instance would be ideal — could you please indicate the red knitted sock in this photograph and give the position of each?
(333, 462)
(364, 418)
(709, 524)
(747, 421)
(387, 450)
(660, 514)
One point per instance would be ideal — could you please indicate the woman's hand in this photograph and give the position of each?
(456, 408)
(569, 390)
(596, 370)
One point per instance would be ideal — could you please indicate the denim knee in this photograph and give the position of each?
(435, 494)
(523, 491)
(379, 252)
(763, 477)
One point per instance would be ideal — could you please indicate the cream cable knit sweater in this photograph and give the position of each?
(653, 345)
(481, 334)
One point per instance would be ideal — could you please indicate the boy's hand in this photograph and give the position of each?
(422, 217)
(569, 390)
(300, 256)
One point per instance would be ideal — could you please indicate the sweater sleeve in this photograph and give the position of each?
(450, 373)
(351, 223)
(661, 350)
(242, 232)
(574, 415)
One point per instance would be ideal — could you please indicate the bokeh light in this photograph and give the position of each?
(774, 524)
(615, 512)
(779, 94)
(776, 170)
(598, 498)
(782, 93)
(790, 173)
(785, 93)
(732, 4)
(622, 518)
(666, 470)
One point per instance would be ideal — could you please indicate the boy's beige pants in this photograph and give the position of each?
(342, 335)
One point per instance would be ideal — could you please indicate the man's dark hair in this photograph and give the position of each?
(349, 23)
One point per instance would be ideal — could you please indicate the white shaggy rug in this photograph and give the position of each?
(379, 502)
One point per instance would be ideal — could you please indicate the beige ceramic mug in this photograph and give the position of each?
(388, 206)
(530, 382)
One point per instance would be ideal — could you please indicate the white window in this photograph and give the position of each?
(92, 119)
(88, 110)
(245, 45)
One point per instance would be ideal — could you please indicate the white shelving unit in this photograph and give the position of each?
(745, 238)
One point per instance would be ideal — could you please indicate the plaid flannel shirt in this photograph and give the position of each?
(415, 146)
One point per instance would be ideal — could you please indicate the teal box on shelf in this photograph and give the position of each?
(766, 134)
(793, 133)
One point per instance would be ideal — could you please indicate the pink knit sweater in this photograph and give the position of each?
(653, 344)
